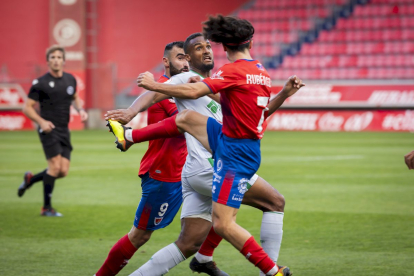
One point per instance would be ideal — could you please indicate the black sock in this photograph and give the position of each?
(48, 185)
(36, 178)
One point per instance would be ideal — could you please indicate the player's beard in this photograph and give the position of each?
(207, 67)
(174, 71)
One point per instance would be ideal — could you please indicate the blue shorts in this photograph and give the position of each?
(235, 162)
(159, 204)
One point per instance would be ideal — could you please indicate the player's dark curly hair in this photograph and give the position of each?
(234, 33)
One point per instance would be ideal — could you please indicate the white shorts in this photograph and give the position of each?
(197, 198)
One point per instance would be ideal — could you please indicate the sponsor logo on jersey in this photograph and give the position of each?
(260, 66)
(237, 197)
(157, 220)
(157, 171)
(35, 81)
(248, 255)
(217, 76)
(258, 79)
(243, 185)
(171, 100)
(70, 90)
(52, 84)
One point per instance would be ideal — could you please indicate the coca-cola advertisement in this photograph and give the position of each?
(338, 120)
(368, 96)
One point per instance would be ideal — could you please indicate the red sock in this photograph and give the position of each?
(256, 255)
(118, 257)
(211, 242)
(167, 128)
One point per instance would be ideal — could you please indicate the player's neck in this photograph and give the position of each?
(233, 56)
(201, 73)
(56, 74)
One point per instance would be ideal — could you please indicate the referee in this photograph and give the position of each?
(55, 92)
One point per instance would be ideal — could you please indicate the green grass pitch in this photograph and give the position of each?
(349, 206)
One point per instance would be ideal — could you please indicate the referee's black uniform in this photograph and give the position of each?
(55, 96)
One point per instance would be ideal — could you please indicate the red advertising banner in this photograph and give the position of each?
(12, 96)
(325, 95)
(337, 120)
(14, 120)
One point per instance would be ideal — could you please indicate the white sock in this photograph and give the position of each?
(128, 135)
(272, 272)
(271, 233)
(203, 258)
(161, 262)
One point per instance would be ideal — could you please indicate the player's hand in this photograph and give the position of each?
(194, 79)
(292, 85)
(83, 114)
(124, 116)
(409, 160)
(46, 126)
(146, 80)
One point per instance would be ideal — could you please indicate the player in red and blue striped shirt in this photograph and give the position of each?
(160, 171)
(244, 86)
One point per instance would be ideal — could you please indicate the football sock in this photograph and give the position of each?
(128, 135)
(205, 254)
(118, 257)
(271, 232)
(166, 128)
(256, 255)
(48, 185)
(161, 262)
(36, 178)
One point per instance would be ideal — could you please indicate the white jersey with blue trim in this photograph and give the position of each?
(198, 157)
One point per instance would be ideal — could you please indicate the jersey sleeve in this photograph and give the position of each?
(169, 106)
(221, 80)
(34, 91)
(75, 85)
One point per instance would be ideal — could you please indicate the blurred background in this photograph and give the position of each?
(356, 56)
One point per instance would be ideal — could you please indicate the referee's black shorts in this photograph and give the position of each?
(56, 142)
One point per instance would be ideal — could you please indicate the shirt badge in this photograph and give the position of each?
(52, 84)
(70, 90)
(260, 66)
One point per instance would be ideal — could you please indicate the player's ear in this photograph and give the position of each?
(224, 48)
(250, 44)
(165, 62)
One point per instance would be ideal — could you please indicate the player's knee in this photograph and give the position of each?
(184, 119)
(277, 202)
(189, 244)
(54, 169)
(63, 173)
(138, 239)
(222, 228)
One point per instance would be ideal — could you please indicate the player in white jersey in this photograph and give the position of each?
(197, 177)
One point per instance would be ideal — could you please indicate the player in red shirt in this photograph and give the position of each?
(160, 172)
(245, 90)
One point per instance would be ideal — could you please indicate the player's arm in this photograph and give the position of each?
(30, 112)
(142, 103)
(184, 91)
(292, 85)
(195, 79)
(409, 160)
(78, 105)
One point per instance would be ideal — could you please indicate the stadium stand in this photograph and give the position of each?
(332, 39)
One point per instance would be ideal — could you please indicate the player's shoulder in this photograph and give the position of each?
(40, 80)
(69, 76)
(182, 77)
